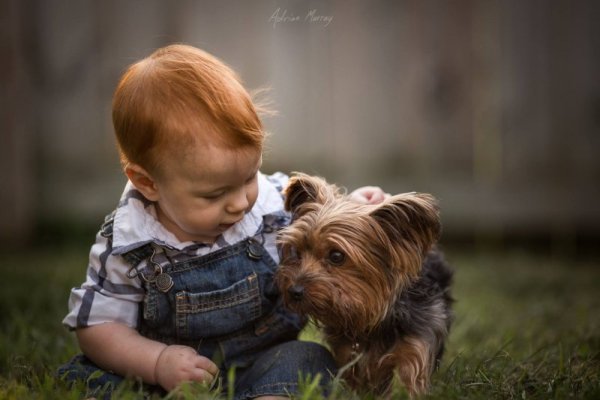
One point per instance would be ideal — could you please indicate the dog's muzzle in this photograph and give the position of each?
(296, 292)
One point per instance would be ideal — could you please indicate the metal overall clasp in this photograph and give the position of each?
(159, 278)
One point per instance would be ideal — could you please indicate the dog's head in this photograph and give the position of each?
(344, 263)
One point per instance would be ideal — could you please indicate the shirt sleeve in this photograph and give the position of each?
(277, 217)
(107, 295)
(279, 180)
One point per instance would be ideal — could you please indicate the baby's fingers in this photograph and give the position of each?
(207, 365)
(202, 376)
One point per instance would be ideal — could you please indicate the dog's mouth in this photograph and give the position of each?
(309, 295)
(301, 300)
(329, 306)
(305, 309)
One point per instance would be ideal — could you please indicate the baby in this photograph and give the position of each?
(180, 280)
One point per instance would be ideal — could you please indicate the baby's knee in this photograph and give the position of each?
(308, 357)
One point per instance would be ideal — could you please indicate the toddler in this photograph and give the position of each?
(180, 279)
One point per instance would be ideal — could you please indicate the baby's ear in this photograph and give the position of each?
(302, 189)
(411, 220)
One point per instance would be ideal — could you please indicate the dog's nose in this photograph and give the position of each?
(296, 292)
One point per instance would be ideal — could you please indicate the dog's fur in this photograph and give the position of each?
(369, 275)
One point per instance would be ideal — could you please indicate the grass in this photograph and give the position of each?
(527, 326)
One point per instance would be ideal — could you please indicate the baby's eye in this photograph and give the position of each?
(212, 196)
(336, 257)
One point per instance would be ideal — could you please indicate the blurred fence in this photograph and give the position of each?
(493, 106)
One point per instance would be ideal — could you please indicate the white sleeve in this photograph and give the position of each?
(279, 180)
(107, 295)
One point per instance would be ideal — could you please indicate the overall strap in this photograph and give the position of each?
(133, 257)
(106, 230)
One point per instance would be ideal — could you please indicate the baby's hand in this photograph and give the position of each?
(177, 364)
(369, 195)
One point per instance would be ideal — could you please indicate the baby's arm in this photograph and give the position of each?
(103, 313)
(121, 349)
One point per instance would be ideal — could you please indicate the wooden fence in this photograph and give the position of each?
(493, 106)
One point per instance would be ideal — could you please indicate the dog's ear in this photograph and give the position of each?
(411, 220)
(302, 189)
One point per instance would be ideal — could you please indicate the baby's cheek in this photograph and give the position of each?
(252, 197)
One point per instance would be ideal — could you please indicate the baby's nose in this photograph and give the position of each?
(238, 202)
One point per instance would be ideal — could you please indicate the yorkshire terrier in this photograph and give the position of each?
(371, 277)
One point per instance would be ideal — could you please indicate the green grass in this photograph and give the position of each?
(527, 326)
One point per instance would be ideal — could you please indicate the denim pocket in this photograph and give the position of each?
(218, 312)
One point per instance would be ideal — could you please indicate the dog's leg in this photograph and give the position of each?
(412, 360)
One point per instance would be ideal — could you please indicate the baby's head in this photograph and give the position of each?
(176, 98)
(190, 140)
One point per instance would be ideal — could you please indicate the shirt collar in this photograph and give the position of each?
(136, 224)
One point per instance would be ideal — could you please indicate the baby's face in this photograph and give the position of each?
(206, 191)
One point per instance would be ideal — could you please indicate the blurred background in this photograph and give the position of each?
(492, 106)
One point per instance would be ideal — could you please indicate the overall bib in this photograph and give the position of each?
(226, 306)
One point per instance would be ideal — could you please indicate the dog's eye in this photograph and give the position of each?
(336, 257)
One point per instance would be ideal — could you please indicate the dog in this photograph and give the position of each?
(371, 277)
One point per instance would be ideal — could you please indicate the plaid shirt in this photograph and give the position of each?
(108, 295)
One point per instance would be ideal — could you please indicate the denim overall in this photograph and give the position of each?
(225, 305)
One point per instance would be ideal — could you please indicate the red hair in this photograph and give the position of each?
(175, 97)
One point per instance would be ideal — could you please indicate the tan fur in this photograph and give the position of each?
(383, 246)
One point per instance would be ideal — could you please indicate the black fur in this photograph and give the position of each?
(414, 311)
